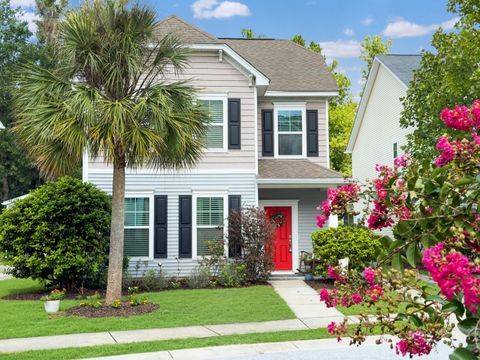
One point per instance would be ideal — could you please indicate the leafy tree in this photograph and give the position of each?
(17, 173)
(50, 12)
(58, 234)
(250, 34)
(315, 47)
(103, 94)
(371, 46)
(447, 76)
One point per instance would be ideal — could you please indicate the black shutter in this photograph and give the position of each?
(312, 133)
(234, 120)
(234, 204)
(267, 132)
(185, 226)
(161, 221)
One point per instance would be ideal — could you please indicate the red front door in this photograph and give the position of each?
(282, 216)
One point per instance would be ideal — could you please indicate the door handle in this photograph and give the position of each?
(290, 250)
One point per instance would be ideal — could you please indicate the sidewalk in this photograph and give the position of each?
(303, 300)
(305, 350)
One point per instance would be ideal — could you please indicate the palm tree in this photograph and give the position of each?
(108, 93)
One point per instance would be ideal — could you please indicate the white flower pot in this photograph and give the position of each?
(52, 306)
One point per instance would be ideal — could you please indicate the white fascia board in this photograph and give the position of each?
(323, 181)
(362, 106)
(300, 93)
(260, 79)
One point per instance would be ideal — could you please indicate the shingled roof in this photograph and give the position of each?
(294, 169)
(402, 66)
(288, 66)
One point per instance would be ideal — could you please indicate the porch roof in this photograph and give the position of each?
(276, 171)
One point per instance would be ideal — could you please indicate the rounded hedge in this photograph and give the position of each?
(356, 243)
(58, 234)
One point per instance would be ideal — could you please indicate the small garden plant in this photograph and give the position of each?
(54, 295)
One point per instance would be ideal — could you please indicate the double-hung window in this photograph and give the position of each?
(137, 227)
(290, 124)
(210, 217)
(216, 106)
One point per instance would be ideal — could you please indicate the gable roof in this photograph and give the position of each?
(186, 32)
(288, 66)
(294, 169)
(401, 67)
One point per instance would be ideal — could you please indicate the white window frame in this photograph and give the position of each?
(150, 226)
(290, 107)
(208, 194)
(224, 99)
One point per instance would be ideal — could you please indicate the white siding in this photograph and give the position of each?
(210, 76)
(380, 127)
(174, 185)
(320, 105)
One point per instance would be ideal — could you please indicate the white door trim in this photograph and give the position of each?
(293, 204)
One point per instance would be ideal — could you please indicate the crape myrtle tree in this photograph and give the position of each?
(433, 207)
(106, 92)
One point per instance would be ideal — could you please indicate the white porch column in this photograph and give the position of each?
(333, 221)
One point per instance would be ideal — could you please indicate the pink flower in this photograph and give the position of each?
(401, 161)
(414, 344)
(376, 292)
(357, 298)
(369, 275)
(321, 220)
(332, 273)
(331, 327)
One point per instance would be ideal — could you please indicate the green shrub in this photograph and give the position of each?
(58, 234)
(153, 280)
(200, 278)
(232, 274)
(358, 244)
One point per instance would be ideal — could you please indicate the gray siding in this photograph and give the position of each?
(320, 105)
(309, 199)
(174, 185)
(210, 76)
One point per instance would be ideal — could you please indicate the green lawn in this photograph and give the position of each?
(107, 350)
(22, 318)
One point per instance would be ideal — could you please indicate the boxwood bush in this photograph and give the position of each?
(58, 234)
(358, 244)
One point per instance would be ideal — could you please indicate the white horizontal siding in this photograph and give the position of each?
(174, 185)
(210, 76)
(320, 105)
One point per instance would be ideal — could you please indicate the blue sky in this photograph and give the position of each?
(339, 25)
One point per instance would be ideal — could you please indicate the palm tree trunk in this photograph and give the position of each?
(115, 264)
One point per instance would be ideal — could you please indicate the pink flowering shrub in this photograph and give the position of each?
(434, 212)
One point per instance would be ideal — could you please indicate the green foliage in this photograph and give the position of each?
(199, 278)
(232, 274)
(369, 48)
(58, 234)
(54, 295)
(117, 304)
(94, 301)
(250, 34)
(154, 280)
(448, 75)
(355, 243)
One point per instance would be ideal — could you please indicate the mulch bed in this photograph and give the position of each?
(107, 311)
(320, 284)
(72, 295)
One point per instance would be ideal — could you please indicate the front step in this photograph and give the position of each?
(286, 277)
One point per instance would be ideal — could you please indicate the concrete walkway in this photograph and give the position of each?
(302, 350)
(302, 299)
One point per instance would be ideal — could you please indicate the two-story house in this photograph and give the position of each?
(267, 146)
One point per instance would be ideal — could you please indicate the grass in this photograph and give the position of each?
(24, 318)
(140, 347)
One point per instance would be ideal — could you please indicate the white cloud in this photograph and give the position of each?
(340, 48)
(30, 18)
(368, 20)
(22, 3)
(403, 28)
(208, 9)
(349, 32)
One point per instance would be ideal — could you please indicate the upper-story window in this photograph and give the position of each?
(216, 105)
(289, 120)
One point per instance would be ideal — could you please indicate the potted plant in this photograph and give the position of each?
(52, 300)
